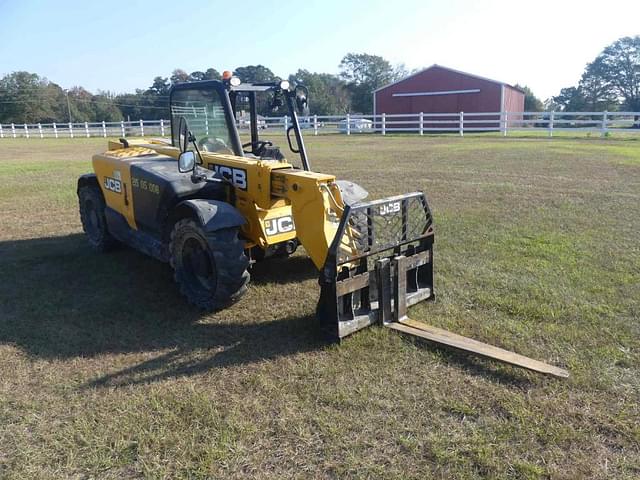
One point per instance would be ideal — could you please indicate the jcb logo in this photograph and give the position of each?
(389, 208)
(279, 225)
(113, 184)
(237, 176)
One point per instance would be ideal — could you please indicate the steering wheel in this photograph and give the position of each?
(260, 147)
(213, 144)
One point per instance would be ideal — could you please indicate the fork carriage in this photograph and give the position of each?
(380, 262)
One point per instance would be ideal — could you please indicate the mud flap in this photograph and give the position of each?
(380, 264)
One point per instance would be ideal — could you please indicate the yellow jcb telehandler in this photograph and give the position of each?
(210, 205)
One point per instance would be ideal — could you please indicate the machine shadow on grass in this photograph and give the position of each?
(59, 300)
(283, 270)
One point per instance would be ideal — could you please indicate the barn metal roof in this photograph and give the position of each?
(435, 65)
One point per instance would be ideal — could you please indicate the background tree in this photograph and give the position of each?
(209, 74)
(54, 105)
(531, 102)
(82, 105)
(104, 108)
(259, 73)
(610, 82)
(129, 105)
(160, 87)
(28, 98)
(156, 96)
(619, 68)
(328, 94)
(178, 76)
(143, 104)
(212, 74)
(363, 74)
(400, 71)
(570, 99)
(596, 89)
(255, 73)
(196, 76)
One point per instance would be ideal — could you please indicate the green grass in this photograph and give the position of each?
(105, 372)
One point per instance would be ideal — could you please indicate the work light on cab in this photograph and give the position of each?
(227, 76)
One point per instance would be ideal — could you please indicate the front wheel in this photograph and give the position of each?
(92, 216)
(209, 267)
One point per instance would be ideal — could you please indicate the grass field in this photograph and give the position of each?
(105, 372)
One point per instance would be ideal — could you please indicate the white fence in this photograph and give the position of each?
(458, 123)
(139, 128)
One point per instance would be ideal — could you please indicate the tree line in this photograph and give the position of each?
(29, 98)
(611, 82)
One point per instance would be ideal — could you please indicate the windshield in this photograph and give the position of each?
(204, 113)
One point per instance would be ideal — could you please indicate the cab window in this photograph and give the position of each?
(204, 113)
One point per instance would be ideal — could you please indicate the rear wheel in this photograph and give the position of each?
(209, 267)
(94, 222)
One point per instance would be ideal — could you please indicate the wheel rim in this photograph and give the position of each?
(198, 267)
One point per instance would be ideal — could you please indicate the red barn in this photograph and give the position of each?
(440, 89)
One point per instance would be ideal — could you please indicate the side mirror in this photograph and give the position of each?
(301, 98)
(186, 161)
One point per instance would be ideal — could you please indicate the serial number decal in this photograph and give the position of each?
(274, 226)
(113, 184)
(389, 208)
(145, 185)
(237, 176)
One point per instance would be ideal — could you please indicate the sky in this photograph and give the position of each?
(122, 45)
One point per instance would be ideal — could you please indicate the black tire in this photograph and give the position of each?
(210, 268)
(94, 222)
(359, 223)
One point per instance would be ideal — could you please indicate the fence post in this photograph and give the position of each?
(421, 123)
(55, 130)
(384, 123)
(604, 124)
(141, 128)
(122, 128)
(348, 120)
(551, 124)
(315, 124)
(13, 130)
(461, 124)
(104, 129)
(86, 129)
(70, 129)
(26, 130)
(40, 130)
(506, 124)
(1, 132)
(161, 127)
(286, 123)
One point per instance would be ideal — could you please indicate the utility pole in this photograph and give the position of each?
(66, 92)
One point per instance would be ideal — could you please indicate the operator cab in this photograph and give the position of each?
(211, 109)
